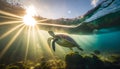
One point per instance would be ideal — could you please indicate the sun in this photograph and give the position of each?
(28, 18)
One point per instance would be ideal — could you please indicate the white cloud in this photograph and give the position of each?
(94, 2)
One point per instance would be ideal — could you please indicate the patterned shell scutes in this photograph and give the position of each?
(66, 37)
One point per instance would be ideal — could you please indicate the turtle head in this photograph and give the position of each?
(51, 33)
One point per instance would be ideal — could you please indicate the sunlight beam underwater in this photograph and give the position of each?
(43, 36)
(28, 41)
(11, 22)
(10, 43)
(9, 17)
(10, 31)
(9, 14)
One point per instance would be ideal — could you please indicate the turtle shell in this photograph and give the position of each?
(65, 39)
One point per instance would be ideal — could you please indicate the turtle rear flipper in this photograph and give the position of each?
(80, 48)
(53, 44)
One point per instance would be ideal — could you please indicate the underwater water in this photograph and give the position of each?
(24, 46)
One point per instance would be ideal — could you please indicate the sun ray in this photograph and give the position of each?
(10, 31)
(28, 41)
(36, 46)
(11, 22)
(10, 43)
(42, 20)
(34, 40)
(9, 17)
(9, 14)
(56, 25)
(46, 45)
(39, 42)
(17, 46)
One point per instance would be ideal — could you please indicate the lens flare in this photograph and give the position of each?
(28, 18)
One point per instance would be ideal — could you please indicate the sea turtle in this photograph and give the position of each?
(62, 40)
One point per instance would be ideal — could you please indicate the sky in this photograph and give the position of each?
(60, 8)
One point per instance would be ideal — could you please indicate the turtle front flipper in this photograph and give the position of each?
(53, 44)
(49, 41)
